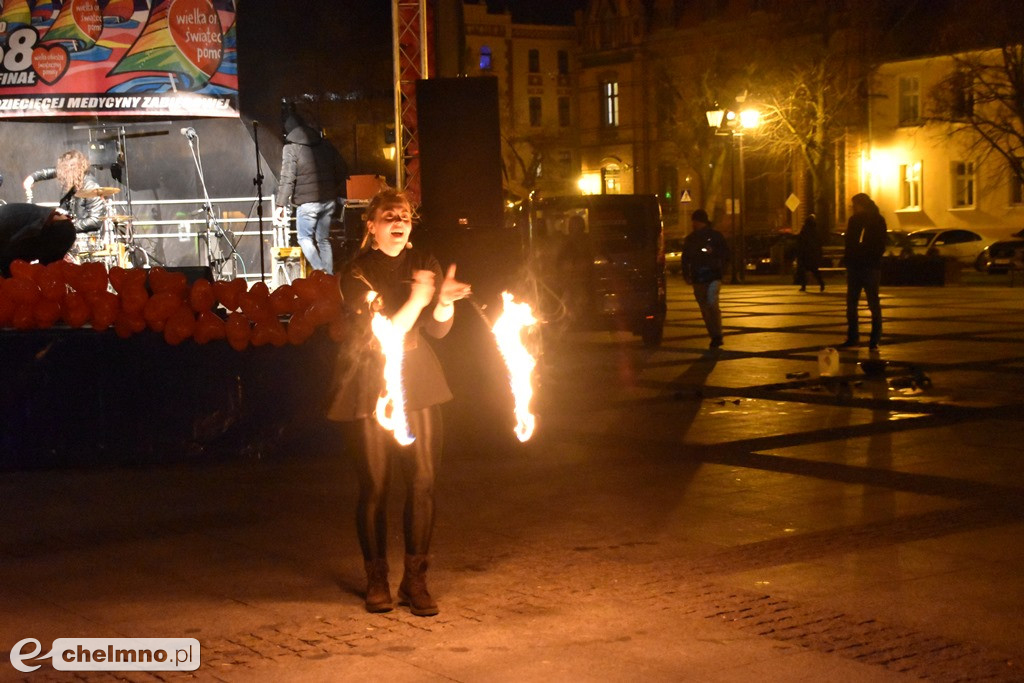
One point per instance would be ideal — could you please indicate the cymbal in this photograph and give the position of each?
(91, 192)
(122, 218)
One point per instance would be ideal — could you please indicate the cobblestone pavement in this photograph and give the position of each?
(681, 514)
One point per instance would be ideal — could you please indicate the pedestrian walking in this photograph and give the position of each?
(808, 254)
(418, 298)
(865, 245)
(705, 255)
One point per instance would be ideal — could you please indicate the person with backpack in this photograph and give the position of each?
(705, 255)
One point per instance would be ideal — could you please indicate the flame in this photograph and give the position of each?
(508, 331)
(392, 346)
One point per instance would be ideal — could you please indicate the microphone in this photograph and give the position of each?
(189, 132)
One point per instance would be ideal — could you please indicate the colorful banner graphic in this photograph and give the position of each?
(118, 58)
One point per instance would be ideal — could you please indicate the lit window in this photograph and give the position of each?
(963, 184)
(485, 58)
(612, 183)
(564, 112)
(534, 58)
(610, 104)
(910, 185)
(910, 100)
(535, 111)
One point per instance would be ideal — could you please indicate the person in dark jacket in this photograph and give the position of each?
(808, 254)
(33, 233)
(313, 175)
(72, 172)
(865, 245)
(705, 255)
(418, 298)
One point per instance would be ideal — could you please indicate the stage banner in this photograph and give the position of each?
(118, 58)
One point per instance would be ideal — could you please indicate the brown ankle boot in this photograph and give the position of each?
(413, 589)
(378, 593)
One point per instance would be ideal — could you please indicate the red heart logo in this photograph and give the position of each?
(196, 31)
(87, 16)
(50, 63)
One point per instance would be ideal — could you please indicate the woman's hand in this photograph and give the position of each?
(451, 291)
(422, 288)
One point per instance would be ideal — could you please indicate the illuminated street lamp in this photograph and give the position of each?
(732, 124)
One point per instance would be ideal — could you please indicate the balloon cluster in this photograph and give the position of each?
(133, 300)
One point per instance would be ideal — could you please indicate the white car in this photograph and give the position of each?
(956, 243)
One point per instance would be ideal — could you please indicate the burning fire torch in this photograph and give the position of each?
(508, 332)
(390, 410)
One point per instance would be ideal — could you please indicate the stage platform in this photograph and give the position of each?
(77, 397)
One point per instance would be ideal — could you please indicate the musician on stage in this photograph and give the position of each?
(72, 171)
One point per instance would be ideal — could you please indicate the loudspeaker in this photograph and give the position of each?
(461, 181)
(460, 153)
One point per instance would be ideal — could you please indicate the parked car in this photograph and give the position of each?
(996, 257)
(897, 243)
(766, 253)
(600, 260)
(674, 256)
(956, 243)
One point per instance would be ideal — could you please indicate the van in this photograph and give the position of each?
(599, 261)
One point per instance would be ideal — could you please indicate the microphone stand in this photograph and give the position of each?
(212, 226)
(258, 182)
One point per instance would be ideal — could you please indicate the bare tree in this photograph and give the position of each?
(982, 101)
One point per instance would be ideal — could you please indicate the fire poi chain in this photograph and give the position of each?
(508, 334)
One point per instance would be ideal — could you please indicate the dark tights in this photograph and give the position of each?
(373, 449)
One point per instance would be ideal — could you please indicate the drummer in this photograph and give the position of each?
(72, 171)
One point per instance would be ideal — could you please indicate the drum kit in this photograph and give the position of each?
(114, 243)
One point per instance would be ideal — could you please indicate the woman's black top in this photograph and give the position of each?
(359, 374)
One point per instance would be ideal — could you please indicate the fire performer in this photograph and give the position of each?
(72, 172)
(405, 282)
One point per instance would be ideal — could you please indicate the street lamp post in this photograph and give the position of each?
(731, 124)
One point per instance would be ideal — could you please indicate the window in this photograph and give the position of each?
(963, 184)
(610, 104)
(610, 176)
(563, 63)
(910, 100)
(564, 113)
(485, 58)
(910, 185)
(962, 103)
(535, 111)
(534, 59)
(1017, 181)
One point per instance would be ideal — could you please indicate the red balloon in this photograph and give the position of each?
(283, 300)
(227, 292)
(209, 326)
(160, 280)
(159, 308)
(105, 307)
(201, 296)
(237, 330)
(180, 326)
(47, 312)
(21, 290)
(93, 278)
(24, 317)
(76, 309)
